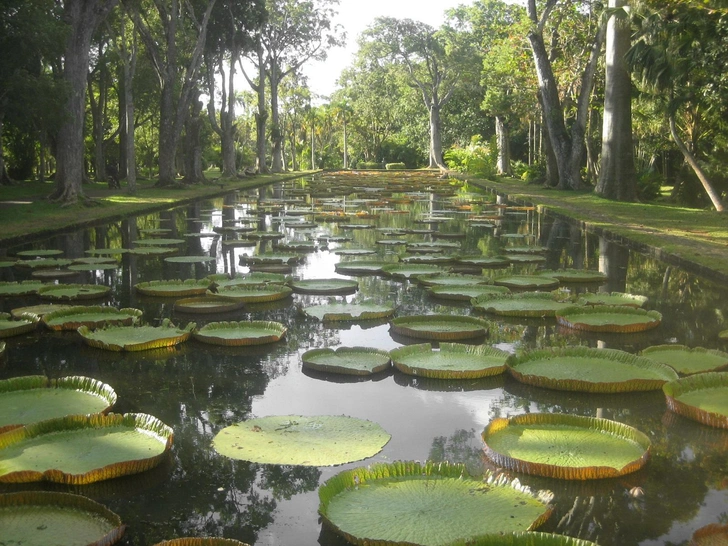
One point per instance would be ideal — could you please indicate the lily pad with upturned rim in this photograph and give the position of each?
(410, 271)
(9, 328)
(355, 252)
(612, 298)
(701, 397)
(82, 449)
(430, 504)
(159, 242)
(347, 360)
(465, 293)
(324, 286)
(153, 250)
(567, 447)
(38, 310)
(575, 275)
(604, 318)
(340, 312)
(174, 288)
(40, 518)
(22, 288)
(207, 304)
(92, 317)
(524, 304)
(533, 282)
(44, 263)
(440, 327)
(723, 334)
(584, 369)
(207, 541)
(93, 267)
(190, 259)
(484, 261)
(33, 398)
(39, 253)
(136, 338)
(68, 292)
(453, 279)
(361, 267)
(233, 334)
(251, 279)
(271, 258)
(451, 361)
(256, 294)
(324, 440)
(714, 534)
(54, 274)
(687, 361)
(528, 538)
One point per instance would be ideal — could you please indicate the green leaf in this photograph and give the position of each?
(453, 279)
(527, 281)
(687, 361)
(175, 287)
(701, 397)
(190, 259)
(136, 338)
(206, 541)
(525, 539)
(207, 304)
(256, 294)
(484, 261)
(232, 334)
(159, 242)
(408, 271)
(360, 267)
(574, 275)
(92, 317)
(23, 288)
(524, 304)
(450, 361)
(324, 286)
(440, 327)
(73, 291)
(605, 318)
(9, 328)
(324, 440)
(39, 253)
(347, 360)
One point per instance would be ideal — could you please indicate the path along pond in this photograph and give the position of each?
(199, 389)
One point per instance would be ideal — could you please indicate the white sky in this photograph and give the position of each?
(357, 15)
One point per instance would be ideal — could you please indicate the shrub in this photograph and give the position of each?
(532, 174)
(475, 159)
(369, 165)
(648, 185)
(392, 166)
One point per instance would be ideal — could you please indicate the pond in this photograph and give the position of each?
(199, 389)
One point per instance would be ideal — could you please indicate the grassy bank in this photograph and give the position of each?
(692, 238)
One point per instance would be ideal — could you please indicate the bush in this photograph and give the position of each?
(475, 159)
(531, 174)
(393, 166)
(369, 165)
(648, 185)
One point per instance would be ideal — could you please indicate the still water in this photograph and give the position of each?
(199, 389)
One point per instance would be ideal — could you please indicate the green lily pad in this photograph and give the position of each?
(333, 238)
(568, 447)
(255, 278)
(265, 235)
(409, 271)
(440, 327)
(324, 286)
(82, 449)
(526, 259)
(233, 334)
(256, 294)
(605, 318)
(325, 440)
(22, 288)
(453, 279)
(190, 259)
(484, 261)
(93, 267)
(465, 293)
(34, 398)
(431, 504)
(450, 361)
(92, 317)
(39, 253)
(9, 328)
(38, 310)
(4, 264)
(428, 245)
(428, 259)
(360, 267)
(525, 249)
(714, 534)
(532, 538)
(152, 251)
(355, 252)
(136, 338)
(155, 231)
(701, 397)
(53, 274)
(174, 288)
(106, 251)
(391, 242)
(575, 275)
(206, 541)
(525, 304)
(40, 518)
(356, 226)
(44, 263)
(335, 312)
(207, 304)
(347, 360)
(159, 242)
(687, 361)
(590, 370)
(271, 258)
(612, 298)
(73, 291)
(534, 282)
(297, 246)
(723, 334)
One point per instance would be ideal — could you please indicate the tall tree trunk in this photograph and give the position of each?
(98, 115)
(261, 116)
(5, 179)
(276, 133)
(503, 163)
(168, 136)
(435, 137)
(346, 147)
(193, 145)
(122, 124)
(617, 179)
(226, 128)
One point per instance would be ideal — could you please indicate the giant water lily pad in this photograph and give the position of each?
(271, 259)
(159, 242)
(81, 449)
(616, 319)
(44, 518)
(92, 267)
(190, 259)
(233, 334)
(409, 271)
(207, 304)
(256, 294)
(440, 327)
(585, 369)
(575, 275)
(34, 398)
(335, 312)
(465, 293)
(714, 534)
(431, 504)
(361, 267)
(255, 278)
(136, 338)
(525, 304)
(38, 310)
(44, 263)
(612, 298)
(687, 361)
(53, 274)
(355, 252)
(701, 397)
(23, 288)
(324, 440)
(174, 288)
(528, 538)
(533, 282)
(205, 541)
(453, 279)
(568, 447)
(92, 317)
(9, 328)
(428, 259)
(152, 250)
(40, 253)
(73, 291)
(450, 361)
(324, 286)
(347, 360)
(723, 334)
(484, 261)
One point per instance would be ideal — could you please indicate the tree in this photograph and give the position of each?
(617, 178)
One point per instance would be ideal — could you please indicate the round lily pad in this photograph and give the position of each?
(568, 447)
(152, 250)
(701, 397)
(601, 318)
(714, 534)
(38, 310)
(534, 282)
(360, 267)
(453, 279)
(53, 274)
(255, 278)
(73, 291)
(356, 226)
(44, 263)
(325, 440)
(355, 252)
(428, 259)
(23, 288)
(82, 449)
(39, 253)
(723, 334)
(34, 398)
(159, 242)
(484, 261)
(450, 361)
(266, 235)
(106, 251)
(324, 286)
(41, 518)
(440, 327)
(347, 360)
(575, 275)
(24, 324)
(271, 258)
(612, 298)
(465, 293)
(297, 246)
(239, 243)
(233, 334)
(687, 361)
(526, 249)
(525, 304)
(528, 538)
(433, 504)
(335, 312)
(207, 304)
(4, 264)
(155, 231)
(174, 288)
(92, 317)
(93, 267)
(206, 541)
(136, 338)
(409, 271)
(190, 259)
(255, 294)
(585, 369)
(526, 258)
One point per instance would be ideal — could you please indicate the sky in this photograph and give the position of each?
(355, 16)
